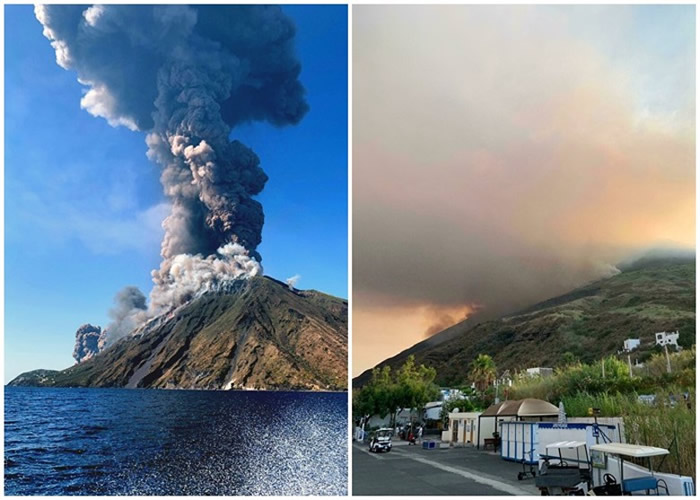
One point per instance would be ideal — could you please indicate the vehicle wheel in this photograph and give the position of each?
(520, 476)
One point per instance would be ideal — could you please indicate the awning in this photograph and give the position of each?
(629, 450)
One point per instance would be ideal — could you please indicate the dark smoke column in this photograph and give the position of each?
(87, 342)
(188, 75)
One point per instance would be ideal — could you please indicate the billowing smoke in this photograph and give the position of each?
(292, 282)
(184, 276)
(87, 342)
(511, 175)
(188, 75)
(445, 318)
(129, 311)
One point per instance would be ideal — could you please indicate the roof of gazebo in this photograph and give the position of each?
(528, 407)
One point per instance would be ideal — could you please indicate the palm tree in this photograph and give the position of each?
(483, 371)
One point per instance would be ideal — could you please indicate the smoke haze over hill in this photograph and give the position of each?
(507, 154)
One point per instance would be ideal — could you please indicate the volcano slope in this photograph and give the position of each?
(255, 334)
(593, 321)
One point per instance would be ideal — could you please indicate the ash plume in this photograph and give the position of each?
(87, 342)
(187, 75)
(185, 276)
(129, 311)
(445, 319)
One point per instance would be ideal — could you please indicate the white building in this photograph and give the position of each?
(464, 428)
(540, 371)
(432, 410)
(631, 344)
(663, 338)
(505, 379)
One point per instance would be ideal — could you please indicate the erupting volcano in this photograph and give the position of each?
(187, 76)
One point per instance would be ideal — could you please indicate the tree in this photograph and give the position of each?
(415, 385)
(410, 386)
(377, 397)
(483, 371)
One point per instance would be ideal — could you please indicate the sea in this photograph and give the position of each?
(174, 442)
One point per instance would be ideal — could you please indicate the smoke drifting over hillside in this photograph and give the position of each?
(503, 155)
(128, 312)
(187, 75)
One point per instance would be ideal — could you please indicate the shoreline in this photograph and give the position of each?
(321, 391)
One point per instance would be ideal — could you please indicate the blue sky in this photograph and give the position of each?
(83, 204)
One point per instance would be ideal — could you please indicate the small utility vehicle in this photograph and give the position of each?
(381, 440)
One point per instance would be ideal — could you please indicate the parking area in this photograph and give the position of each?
(411, 470)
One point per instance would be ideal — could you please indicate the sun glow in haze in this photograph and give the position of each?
(394, 328)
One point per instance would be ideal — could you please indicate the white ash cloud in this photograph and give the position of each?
(188, 275)
(292, 281)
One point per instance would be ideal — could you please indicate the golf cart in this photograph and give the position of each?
(565, 469)
(645, 483)
(381, 440)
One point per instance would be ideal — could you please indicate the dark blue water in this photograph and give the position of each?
(151, 442)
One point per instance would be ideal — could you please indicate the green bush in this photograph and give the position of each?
(668, 423)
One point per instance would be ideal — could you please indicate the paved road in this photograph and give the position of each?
(414, 471)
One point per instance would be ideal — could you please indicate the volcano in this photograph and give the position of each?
(255, 333)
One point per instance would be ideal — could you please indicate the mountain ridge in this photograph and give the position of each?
(650, 295)
(254, 334)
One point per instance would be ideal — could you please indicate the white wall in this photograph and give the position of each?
(468, 426)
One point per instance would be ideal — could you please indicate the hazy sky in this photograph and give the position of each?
(84, 205)
(506, 154)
